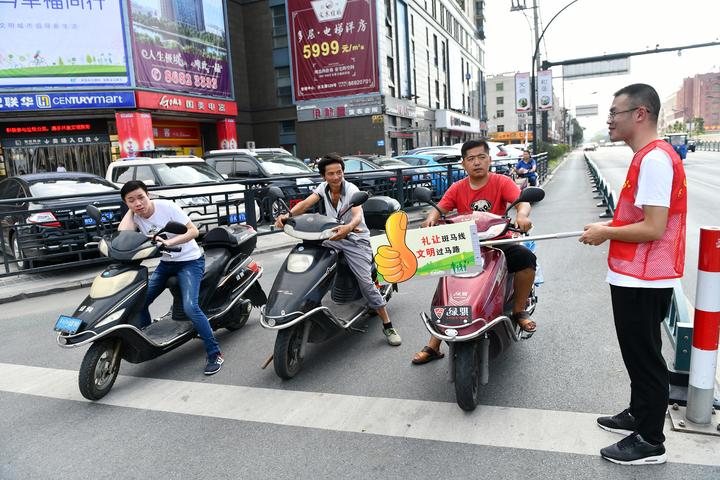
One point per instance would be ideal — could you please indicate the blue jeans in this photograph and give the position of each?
(189, 274)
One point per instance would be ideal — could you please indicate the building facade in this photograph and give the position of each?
(699, 97)
(428, 90)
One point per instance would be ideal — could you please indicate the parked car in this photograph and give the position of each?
(590, 147)
(435, 168)
(691, 145)
(34, 228)
(200, 188)
(368, 176)
(266, 164)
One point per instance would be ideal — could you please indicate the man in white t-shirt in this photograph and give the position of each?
(352, 238)
(188, 265)
(645, 261)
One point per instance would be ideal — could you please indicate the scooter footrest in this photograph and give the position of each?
(165, 330)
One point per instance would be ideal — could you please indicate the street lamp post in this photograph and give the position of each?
(535, 60)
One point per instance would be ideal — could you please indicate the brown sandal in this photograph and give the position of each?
(524, 322)
(427, 354)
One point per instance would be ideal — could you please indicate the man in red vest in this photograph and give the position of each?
(645, 260)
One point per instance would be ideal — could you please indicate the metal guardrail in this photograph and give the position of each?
(48, 244)
(677, 323)
(708, 146)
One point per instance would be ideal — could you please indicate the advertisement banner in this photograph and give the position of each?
(522, 92)
(227, 134)
(545, 93)
(333, 46)
(181, 46)
(135, 132)
(22, 102)
(62, 43)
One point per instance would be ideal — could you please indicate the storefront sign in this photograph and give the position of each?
(522, 92)
(545, 93)
(135, 132)
(339, 108)
(333, 45)
(62, 43)
(22, 102)
(181, 46)
(63, 140)
(54, 128)
(182, 103)
(399, 108)
(449, 120)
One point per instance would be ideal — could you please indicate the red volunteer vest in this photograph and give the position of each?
(660, 259)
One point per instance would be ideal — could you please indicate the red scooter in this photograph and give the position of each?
(471, 311)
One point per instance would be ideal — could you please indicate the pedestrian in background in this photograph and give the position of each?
(646, 260)
(61, 167)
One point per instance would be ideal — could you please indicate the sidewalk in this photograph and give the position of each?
(17, 287)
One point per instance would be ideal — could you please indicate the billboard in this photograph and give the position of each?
(333, 48)
(20, 102)
(62, 43)
(522, 92)
(181, 46)
(544, 90)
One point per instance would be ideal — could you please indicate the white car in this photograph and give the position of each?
(200, 202)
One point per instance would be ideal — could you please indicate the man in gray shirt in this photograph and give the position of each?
(352, 238)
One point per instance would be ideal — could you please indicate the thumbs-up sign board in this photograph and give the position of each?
(401, 254)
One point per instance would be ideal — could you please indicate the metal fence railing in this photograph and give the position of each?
(709, 146)
(602, 190)
(50, 233)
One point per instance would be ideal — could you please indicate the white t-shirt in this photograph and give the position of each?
(167, 211)
(654, 188)
(346, 193)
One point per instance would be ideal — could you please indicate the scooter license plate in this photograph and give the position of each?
(452, 315)
(236, 218)
(65, 324)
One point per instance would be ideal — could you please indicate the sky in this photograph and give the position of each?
(598, 27)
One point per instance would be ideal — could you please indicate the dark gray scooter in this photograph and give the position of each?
(109, 317)
(315, 295)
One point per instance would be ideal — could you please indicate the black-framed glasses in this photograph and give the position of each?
(611, 114)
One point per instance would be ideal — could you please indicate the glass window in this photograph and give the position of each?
(500, 100)
(122, 174)
(500, 113)
(224, 166)
(185, 173)
(145, 174)
(501, 128)
(287, 126)
(499, 87)
(353, 165)
(285, 165)
(244, 167)
(10, 189)
(279, 30)
(283, 87)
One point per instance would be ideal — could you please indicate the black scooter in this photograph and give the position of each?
(109, 317)
(315, 295)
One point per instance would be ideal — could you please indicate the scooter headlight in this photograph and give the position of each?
(110, 318)
(299, 262)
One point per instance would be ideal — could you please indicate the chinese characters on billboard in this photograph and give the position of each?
(181, 46)
(545, 93)
(333, 47)
(522, 92)
(62, 43)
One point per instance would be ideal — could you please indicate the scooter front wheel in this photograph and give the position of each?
(98, 370)
(467, 375)
(286, 356)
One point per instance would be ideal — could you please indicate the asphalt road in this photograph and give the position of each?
(358, 409)
(702, 170)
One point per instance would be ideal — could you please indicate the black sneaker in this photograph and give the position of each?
(623, 423)
(634, 450)
(214, 364)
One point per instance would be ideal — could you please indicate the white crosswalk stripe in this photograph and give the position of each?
(545, 430)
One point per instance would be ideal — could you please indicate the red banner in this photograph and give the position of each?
(182, 103)
(135, 132)
(333, 47)
(227, 134)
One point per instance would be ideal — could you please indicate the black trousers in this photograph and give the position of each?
(638, 314)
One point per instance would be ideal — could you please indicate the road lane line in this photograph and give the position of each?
(545, 430)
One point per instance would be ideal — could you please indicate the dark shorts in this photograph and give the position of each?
(518, 257)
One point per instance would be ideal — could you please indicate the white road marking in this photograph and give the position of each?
(544, 430)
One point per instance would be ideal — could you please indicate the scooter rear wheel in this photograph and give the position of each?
(286, 356)
(467, 375)
(239, 316)
(98, 371)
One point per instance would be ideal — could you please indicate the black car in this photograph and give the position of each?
(34, 228)
(266, 168)
(368, 176)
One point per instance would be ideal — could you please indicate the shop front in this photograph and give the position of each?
(456, 127)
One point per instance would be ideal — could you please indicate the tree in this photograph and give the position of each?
(698, 126)
(577, 130)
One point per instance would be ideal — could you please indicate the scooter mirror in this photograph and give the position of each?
(422, 194)
(359, 198)
(275, 193)
(94, 213)
(175, 227)
(531, 194)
